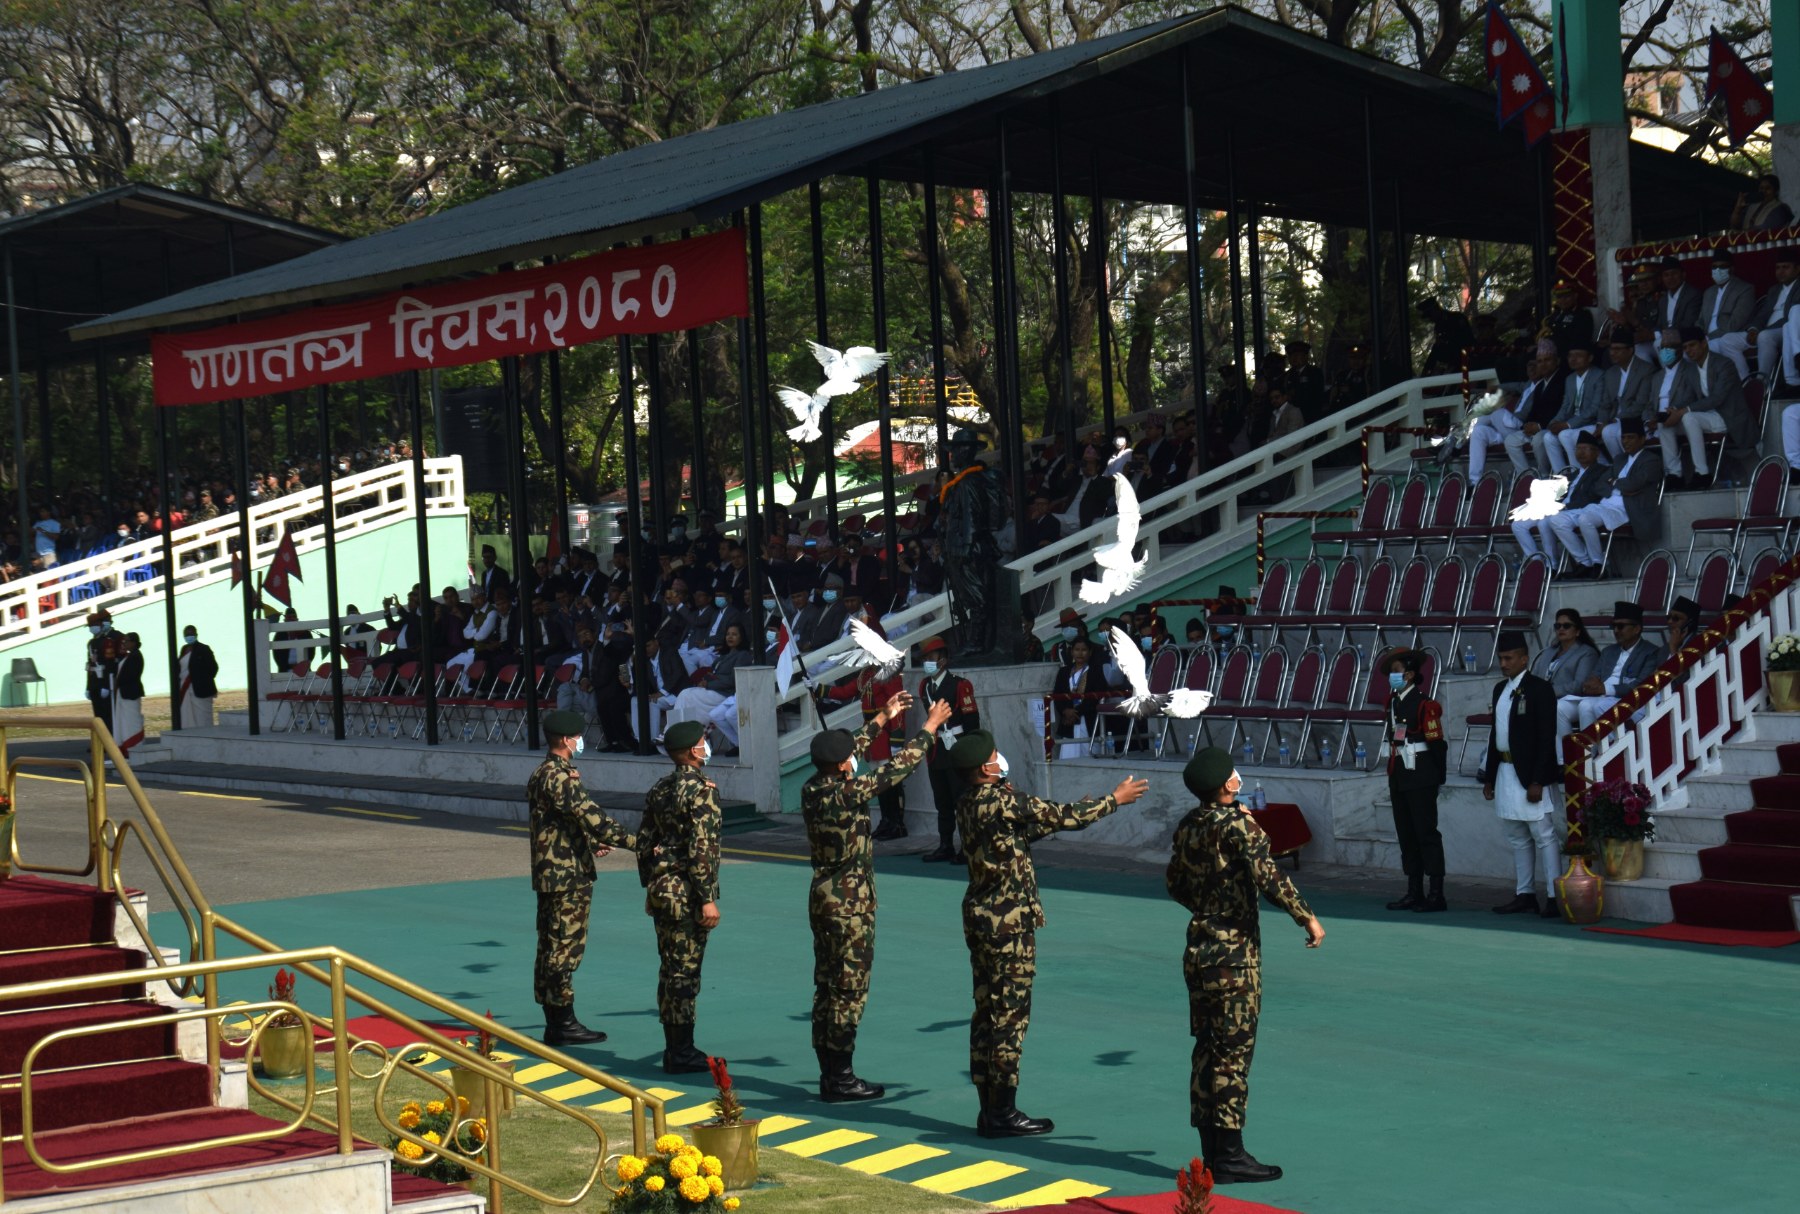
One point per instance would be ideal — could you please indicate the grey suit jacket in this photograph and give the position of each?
(1587, 486)
(1724, 395)
(1635, 401)
(1734, 313)
(1641, 491)
(1687, 309)
(1645, 658)
(1566, 672)
(1765, 316)
(1686, 392)
(1585, 410)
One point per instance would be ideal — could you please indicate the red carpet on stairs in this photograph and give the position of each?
(51, 914)
(1748, 883)
(1682, 933)
(16, 968)
(1152, 1203)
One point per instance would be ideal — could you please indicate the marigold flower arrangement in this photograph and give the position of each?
(452, 1133)
(727, 1108)
(1616, 809)
(675, 1177)
(1193, 1189)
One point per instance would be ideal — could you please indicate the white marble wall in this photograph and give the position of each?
(343, 1184)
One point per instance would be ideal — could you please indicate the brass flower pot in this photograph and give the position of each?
(1624, 858)
(284, 1050)
(1580, 892)
(735, 1145)
(470, 1086)
(1784, 689)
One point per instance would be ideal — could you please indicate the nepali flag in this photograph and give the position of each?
(1747, 101)
(1518, 83)
(285, 565)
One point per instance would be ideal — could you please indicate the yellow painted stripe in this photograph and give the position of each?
(31, 775)
(1052, 1194)
(958, 1179)
(373, 813)
(524, 830)
(775, 1125)
(769, 855)
(689, 1115)
(623, 1103)
(899, 1157)
(830, 1140)
(217, 796)
(569, 1091)
(542, 1070)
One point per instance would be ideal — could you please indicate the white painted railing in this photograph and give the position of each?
(1704, 696)
(58, 599)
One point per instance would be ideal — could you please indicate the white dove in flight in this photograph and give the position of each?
(1546, 499)
(875, 651)
(844, 372)
(1183, 702)
(1121, 569)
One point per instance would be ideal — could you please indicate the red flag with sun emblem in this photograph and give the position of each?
(1518, 84)
(1747, 103)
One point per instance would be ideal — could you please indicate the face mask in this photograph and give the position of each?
(1720, 274)
(718, 600)
(1146, 642)
(831, 596)
(773, 636)
(123, 533)
(768, 604)
(95, 629)
(1003, 768)
(1070, 634)
(676, 533)
(190, 638)
(703, 754)
(1396, 681)
(1119, 442)
(929, 666)
(580, 744)
(1668, 355)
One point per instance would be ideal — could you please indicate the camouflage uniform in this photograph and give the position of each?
(841, 904)
(1001, 915)
(566, 828)
(1220, 862)
(678, 864)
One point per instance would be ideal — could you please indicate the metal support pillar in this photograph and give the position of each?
(334, 621)
(521, 537)
(822, 334)
(172, 632)
(1402, 287)
(103, 402)
(883, 380)
(1065, 314)
(1006, 309)
(559, 463)
(642, 681)
(1195, 293)
(660, 518)
(1259, 337)
(422, 541)
(760, 306)
(752, 532)
(933, 270)
(1102, 303)
(1372, 252)
(698, 472)
(247, 568)
(1234, 234)
(18, 399)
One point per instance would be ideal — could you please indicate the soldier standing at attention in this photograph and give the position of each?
(567, 831)
(841, 905)
(678, 863)
(1001, 915)
(1220, 863)
(1417, 755)
(939, 684)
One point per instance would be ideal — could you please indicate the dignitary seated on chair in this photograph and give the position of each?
(1522, 776)
(1583, 403)
(1628, 385)
(1528, 447)
(1628, 495)
(1588, 483)
(1719, 407)
(1623, 667)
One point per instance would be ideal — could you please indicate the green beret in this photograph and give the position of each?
(565, 724)
(1207, 771)
(832, 747)
(972, 750)
(682, 735)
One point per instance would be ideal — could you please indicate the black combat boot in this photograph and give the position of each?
(1234, 1164)
(561, 1027)
(679, 1055)
(1002, 1119)
(1415, 894)
(838, 1081)
(937, 855)
(1209, 1144)
(1434, 901)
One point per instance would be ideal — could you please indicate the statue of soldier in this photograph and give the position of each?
(974, 509)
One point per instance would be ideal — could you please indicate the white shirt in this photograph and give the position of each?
(1668, 385)
(1612, 680)
(1615, 498)
(481, 625)
(1718, 302)
(1579, 379)
(1701, 367)
(1503, 713)
(1778, 313)
(1624, 378)
(1669, 306)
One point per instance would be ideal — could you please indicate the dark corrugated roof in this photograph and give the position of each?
(1295, 101)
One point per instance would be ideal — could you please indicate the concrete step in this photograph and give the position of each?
(1777, 727)
(1645, 900)
(353, 1184)
(1700, 825)
(1726, 794)
(1748, 760)
(1675, 861)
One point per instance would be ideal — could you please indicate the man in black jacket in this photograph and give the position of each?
(1416, 764)
(1522, 775)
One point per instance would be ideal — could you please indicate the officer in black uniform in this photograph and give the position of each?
(1417, 756)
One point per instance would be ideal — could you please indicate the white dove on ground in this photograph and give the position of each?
(875, 651)
(1183, 702)
(844, 371)
(1546, 499)
(1120, 567)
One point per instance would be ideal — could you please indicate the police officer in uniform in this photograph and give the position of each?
(678, 864)
(940, 684)
(567, 831)
(841, 904)
(1522, 773)
(1417, 755)
(1001, 915)
(1219, 866)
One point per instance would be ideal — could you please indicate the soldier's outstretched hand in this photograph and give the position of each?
(1315, 933)
(936, 715)
(1130, 789)
(601, 853)
(897, 703)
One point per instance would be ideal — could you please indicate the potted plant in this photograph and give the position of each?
(1783, 674)
(469, 1084)
(285, 1043)
(453, 1137)
(1616, 814)
(1580, 890)
(728, 1136)
(6, 836)
(676, 1176)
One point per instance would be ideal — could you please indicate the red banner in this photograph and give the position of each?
(660, 288)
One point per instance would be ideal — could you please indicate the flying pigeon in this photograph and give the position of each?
(1183, 702)
(1121, 569)
(844, 372)
(875, 651)
(1546, 499)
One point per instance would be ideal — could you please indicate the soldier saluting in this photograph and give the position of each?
(567, 831)
(1220, 863)
(841, 904)
(1001, 915)
(678, 864)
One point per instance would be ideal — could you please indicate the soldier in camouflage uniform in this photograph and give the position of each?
(1001, 915)
(678, 864)
(841, 906)
(567, 831)
(1220, 863)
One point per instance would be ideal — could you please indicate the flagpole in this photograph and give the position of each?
(323, 402)
(168, 558)
(246, 567)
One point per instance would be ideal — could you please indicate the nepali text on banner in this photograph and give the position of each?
(660, 288)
